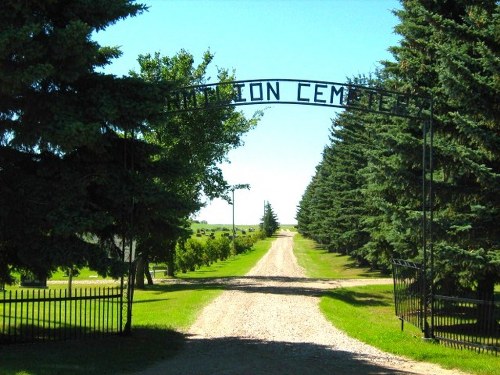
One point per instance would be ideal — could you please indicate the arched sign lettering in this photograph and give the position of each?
(299, 92)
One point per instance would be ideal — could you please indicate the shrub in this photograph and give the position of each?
(243, 244)
(189, 255)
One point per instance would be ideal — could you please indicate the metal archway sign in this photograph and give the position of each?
(297, 92)
(335, 95)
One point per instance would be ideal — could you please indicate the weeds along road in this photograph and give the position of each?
(269, 322)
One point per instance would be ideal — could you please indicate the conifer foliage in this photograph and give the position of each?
(62, 130)
(88, 158)
(269, 222)
(364, 199)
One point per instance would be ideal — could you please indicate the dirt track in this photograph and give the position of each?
(269, 322)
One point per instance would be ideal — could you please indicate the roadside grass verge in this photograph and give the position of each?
(161, 312)
(367, 313)
(319, 263)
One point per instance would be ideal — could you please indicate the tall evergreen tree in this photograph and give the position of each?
(61, 123)
(450, 51)
(269, 222)
(349, 142)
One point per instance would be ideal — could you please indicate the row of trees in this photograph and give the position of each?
(365, 197)
(88, 159)
(194, 253)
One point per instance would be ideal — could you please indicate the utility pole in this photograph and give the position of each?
(233, 188)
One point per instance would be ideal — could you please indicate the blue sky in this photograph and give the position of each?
(327, 40)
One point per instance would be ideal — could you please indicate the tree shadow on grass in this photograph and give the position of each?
(113, 354)
(299, 286)
(364, 271)
(247, 284)
(355, 298)
(183, 286)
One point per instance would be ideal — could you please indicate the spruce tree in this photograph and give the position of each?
(61, 121)
(450, 51)
(269, 223)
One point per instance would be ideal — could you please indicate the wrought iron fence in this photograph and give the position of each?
(409, 292)
(459, 322)
(467, 323)
(38, 315)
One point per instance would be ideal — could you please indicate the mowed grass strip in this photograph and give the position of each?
(367, 313)
(161, 312)
(319, 263)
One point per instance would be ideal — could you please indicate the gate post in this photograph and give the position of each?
(427, 221)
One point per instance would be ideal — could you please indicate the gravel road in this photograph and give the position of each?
(268, 322)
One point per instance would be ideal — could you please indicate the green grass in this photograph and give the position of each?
(158, 311)
(367, 313)
(107, 355)
(319, 263)
(171, 306)
(84, 274)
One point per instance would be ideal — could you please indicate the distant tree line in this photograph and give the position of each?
(365, 197)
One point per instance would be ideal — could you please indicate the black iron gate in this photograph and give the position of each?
(409, 293)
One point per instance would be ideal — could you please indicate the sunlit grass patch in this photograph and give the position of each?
(367, 314)
(319, 263)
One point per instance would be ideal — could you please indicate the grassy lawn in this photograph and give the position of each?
(319, 263)
(161, 313)
(367, 313)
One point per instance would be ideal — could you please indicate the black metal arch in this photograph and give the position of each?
(324, 94)
(298, 92)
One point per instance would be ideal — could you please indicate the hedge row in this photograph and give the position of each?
(193, 253)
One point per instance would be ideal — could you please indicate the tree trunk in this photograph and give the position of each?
(70, 281)
(147, 273)
(139, 275)
(170, 260)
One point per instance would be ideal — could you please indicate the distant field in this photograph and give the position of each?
(204, 231)
(220, 227)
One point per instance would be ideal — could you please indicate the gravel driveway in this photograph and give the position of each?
(269, 322)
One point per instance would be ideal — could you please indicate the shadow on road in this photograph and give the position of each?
(296, 286)
(246, 356)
